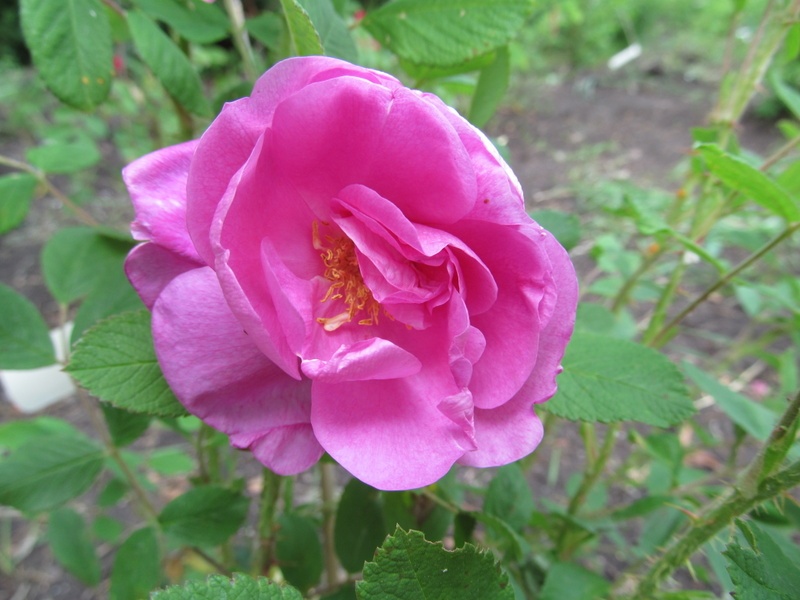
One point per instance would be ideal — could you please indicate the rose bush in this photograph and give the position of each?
(344, 265)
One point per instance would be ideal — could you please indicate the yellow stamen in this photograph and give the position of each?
(341, 269)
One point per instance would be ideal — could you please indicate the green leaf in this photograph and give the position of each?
(125, 427)
(219, 587)
(754, 418)
(39, 476)
(305, 39)
(596, 318)
(169, 64)
(609, 380)
(137, 566)
(298, 551)
(763, 571)
(749, 181)
(16, 194)
(567, 581)
(566, 227)
(70, 41)
(170, 461)
(24, 338)
(204, 516)
(509, 497)
(197, 24)
(410, 510)
(428, 72)
(74, 259)
(112, 493)
(16, 433)
(446, 32)
(107, 529)
(111, 295)
(116, 362)
(70, 543)
(787, 94)
(332, 30)
(492, 85)
(408, 566)
(267, 28)
(65, 156)
(359, 525)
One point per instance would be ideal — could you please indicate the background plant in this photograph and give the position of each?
(136, 75)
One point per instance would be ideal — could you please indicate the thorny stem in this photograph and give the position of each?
(270, 492)
(80, 213)
(240, 38)
(754, 487)
(328, 523)
(722, 281)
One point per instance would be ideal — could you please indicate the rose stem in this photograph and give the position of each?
(755, 485)
(270, 492)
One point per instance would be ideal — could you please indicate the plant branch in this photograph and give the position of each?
(754, 487)
(659, 336)
(240, 38)
(80, 213)
(270, 492)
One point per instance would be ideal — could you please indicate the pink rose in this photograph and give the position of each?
(344, 265)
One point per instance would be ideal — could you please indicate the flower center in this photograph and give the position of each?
(341, 269)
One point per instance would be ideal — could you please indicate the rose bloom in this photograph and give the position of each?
(344, 265)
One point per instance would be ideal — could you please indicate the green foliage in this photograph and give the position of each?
(217, 587)
(204, 516)
(16, 194)
(599, 384)
(299, 551)
(40, 475)
(739, 175)
(750, 416)
(509, 497)
(305, 38)
(408, 566)
(197, 22)
(71, 545)
(137, 566)
(567, 581)
(76, 259)
(116, 362)
(761, 570)
(492, 85)
(564, 226)
(61, 156)
(332, 30)
(24, 338)
(168, 63)
(444, 33)
(71, 45)
(359, 525)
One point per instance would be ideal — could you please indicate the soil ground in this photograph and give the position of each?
(586, 129)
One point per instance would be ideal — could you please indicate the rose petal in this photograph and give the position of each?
(157, 185)
(370, 359)
(150, 268)
(511, 431)
(390, 433)
(361, 132)
(512, 327)
(229, 140)
(219, 375)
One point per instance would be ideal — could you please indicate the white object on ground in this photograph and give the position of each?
(623, 57)
(31, 390)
